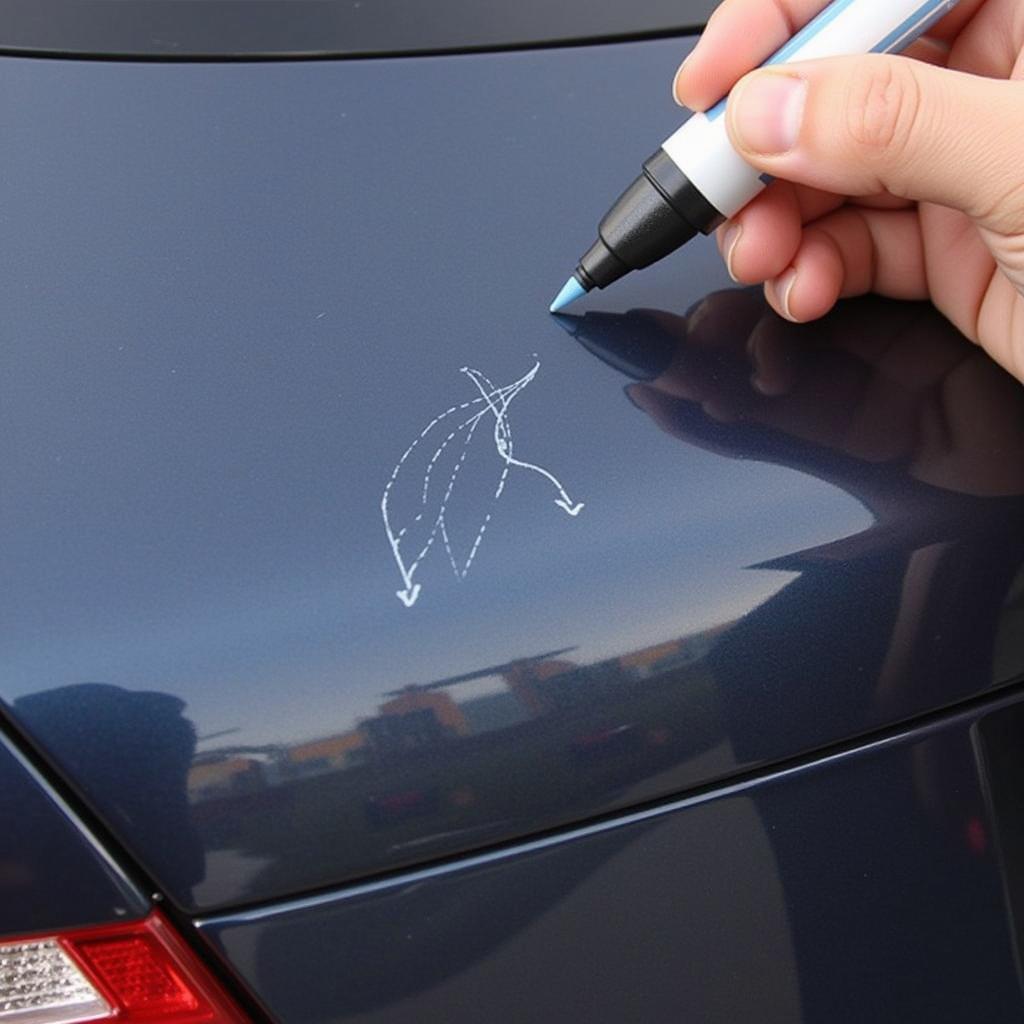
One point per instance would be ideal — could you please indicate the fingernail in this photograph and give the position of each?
(783, 287)
(675, 79)
(729, 240)
(766, 110)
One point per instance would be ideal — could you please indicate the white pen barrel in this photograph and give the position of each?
(701, 147)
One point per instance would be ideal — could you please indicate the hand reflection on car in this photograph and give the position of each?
(882, 382)
(887, 401)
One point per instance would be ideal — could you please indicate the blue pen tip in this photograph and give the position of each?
(570, 292)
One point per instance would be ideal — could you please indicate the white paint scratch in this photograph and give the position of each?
(491, 400)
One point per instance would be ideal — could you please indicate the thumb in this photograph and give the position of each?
(864, 125)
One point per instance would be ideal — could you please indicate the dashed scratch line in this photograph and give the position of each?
(476, 545)
(451, 554)
(410, 592)
(495, 400)
(433, 460)
(447, 494)
(504, 471)
(503, 442)
(470, 423)
(460, 573)
(409, 596)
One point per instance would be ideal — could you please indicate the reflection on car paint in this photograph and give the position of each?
(468, 749)
(899, 859)
(495, 400)
(865, 629)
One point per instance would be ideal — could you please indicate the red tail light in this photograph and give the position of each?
(136, 973)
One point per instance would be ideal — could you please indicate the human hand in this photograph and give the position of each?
(899, 175)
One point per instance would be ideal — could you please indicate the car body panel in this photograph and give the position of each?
(877, 884)
(243, 302)
(53, 872)
(243, 29)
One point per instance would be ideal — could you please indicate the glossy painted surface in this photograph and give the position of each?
(171, 30)
(52, 872)
(882, 885)
(235, 295)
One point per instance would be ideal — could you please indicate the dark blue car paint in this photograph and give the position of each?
(876, 885)
(624, 768)
(53, 872)
(234, 295)
(237, 29)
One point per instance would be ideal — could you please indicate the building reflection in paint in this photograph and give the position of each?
(439, 750)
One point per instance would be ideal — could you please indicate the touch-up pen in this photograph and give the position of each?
(695, 180)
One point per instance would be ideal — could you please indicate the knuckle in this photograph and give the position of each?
(1001, 206)
(883, 105)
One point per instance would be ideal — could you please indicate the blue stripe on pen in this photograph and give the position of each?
(717, 110)
(920, 21)
(811, 29)
(903, 35)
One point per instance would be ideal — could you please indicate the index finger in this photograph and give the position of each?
(741, 34)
